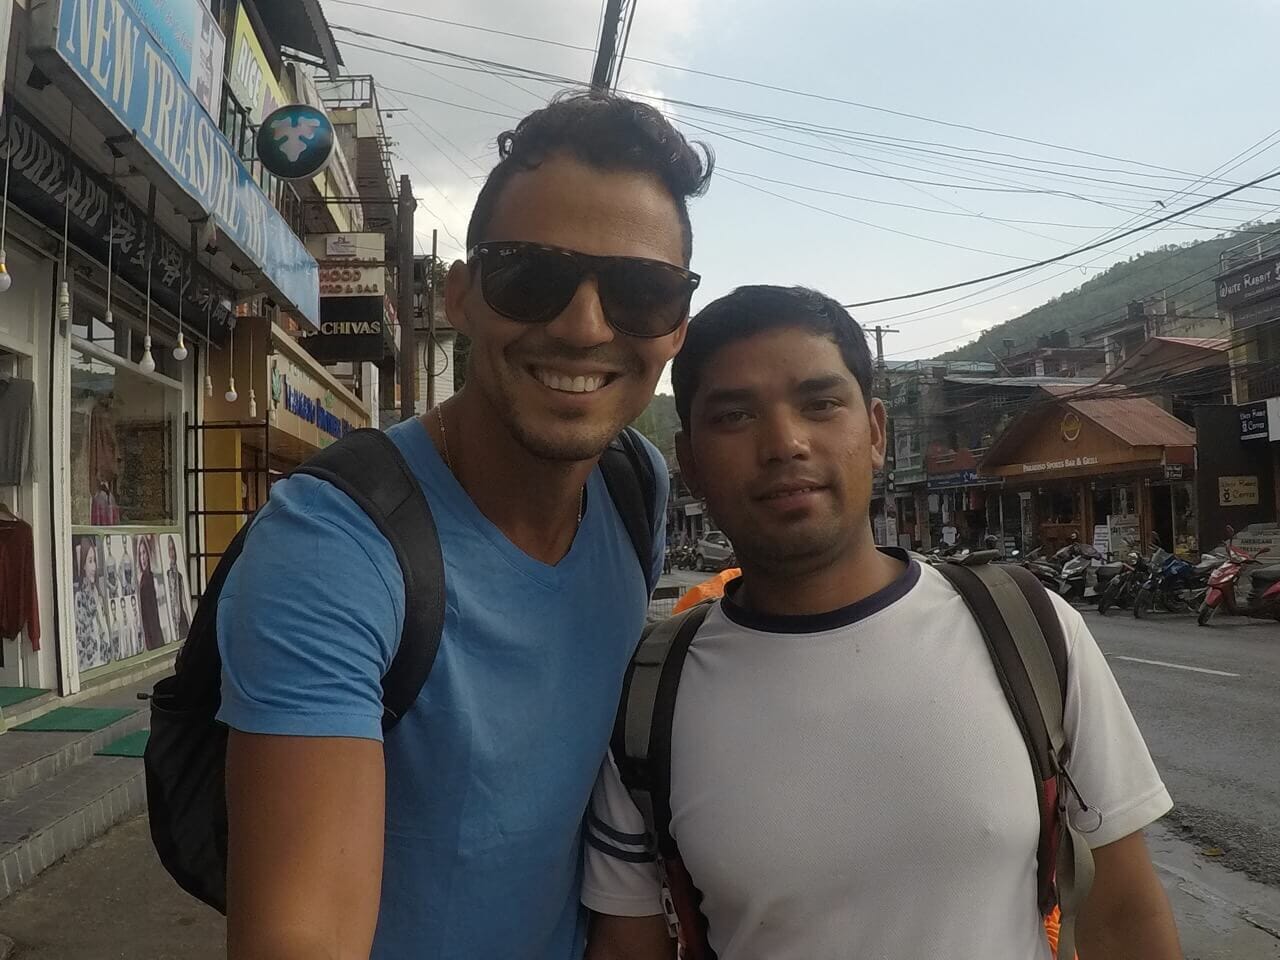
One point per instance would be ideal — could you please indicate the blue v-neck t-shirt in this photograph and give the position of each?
(490, 772)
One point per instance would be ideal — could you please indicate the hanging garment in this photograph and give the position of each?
(103, 509)
(148, 606)
(19, 599)
(17, 398)
(104, 448)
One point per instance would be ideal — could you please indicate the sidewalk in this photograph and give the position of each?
(113, 901)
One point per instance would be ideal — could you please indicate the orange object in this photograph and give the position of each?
(712, 589)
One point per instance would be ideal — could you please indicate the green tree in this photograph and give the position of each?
(1184, 273)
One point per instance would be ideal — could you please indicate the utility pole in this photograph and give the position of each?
(431, 323)
(609, 30)
(404, 301)
(890, 451)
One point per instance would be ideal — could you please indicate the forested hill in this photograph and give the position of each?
(1182, 272)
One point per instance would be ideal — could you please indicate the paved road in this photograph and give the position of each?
(1209, 705)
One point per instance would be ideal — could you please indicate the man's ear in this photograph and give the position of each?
(879, 432)
(688, 466)
(457, 286)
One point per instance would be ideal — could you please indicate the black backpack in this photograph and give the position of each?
(185, 758)
(1024, 637)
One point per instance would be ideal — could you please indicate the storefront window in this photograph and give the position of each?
(124, 435)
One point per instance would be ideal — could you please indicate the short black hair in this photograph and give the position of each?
(605, 131)
(753, 310)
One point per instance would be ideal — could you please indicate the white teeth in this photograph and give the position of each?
(790, 493)
(555, 381)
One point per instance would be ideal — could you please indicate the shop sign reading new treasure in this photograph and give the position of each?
(107, 50)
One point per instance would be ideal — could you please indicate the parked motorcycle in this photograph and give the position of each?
(1264, 597)
(1077, 581)
(1123, 586)
(1048, 572)
(1174, 584)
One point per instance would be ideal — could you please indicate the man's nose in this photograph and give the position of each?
(582, 323)
(782, 437)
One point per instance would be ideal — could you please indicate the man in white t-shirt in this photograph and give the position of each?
(847, 776)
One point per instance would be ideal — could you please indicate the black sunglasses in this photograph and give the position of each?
(534, 283)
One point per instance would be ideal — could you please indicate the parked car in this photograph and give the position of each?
(714, 552)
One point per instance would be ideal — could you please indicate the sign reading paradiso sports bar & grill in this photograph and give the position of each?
(103, 48)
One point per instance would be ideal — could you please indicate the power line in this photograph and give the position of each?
(807, 94)
(467, 26)
(868, 223)
(1065, 256)
(721, 168)
(504, 70)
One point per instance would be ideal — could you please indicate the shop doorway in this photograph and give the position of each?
(15, 528)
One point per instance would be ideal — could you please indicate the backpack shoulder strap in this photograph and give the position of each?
(1029, 651)
(641, 747)
(367, 466)
(633, 487)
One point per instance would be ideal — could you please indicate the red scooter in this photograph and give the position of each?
(1264, 599)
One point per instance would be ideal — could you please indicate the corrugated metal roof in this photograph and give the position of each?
(1137, 421)
(1075, 383)
(1205, 343)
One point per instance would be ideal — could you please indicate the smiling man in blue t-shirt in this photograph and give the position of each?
(460, 836)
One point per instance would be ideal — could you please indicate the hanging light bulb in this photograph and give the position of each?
(180, 351)
(208, 385)
(64, 302)
(148, 362)
(253, 405)
(6, 281)
(231, 395)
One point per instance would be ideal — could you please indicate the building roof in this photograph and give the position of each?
(1172, 356)
(1134, 421)
(1028, 382)
(1137, 421)
(301, 24)
(950, 366)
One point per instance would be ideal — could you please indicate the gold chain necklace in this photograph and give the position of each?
(448, 461)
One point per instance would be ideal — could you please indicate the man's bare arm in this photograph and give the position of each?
(304, 872)
(629, 938)
(1127, 915)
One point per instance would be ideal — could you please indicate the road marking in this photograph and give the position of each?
(1175, 666)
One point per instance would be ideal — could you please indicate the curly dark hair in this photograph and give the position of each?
(605, 131)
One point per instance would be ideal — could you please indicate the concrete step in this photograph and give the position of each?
(58, 816)
(28, 759)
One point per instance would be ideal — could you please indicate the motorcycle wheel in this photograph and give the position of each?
(1108, 597)
(1142, 604)
(1206, 614)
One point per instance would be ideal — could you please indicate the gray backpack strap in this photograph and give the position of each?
(641, 740)
(642, 751)
(1028, 649)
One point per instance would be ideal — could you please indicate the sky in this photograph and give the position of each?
(1036, 129)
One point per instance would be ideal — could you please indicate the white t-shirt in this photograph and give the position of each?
(855, 785)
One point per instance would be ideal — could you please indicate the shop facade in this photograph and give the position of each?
(1115, 472)
(1241, 448)
(285, 406)
(126, 261)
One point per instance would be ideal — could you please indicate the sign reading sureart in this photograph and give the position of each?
(107, 49)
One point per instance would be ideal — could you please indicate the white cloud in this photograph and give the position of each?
(448, 147)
